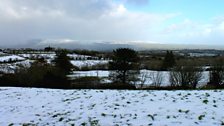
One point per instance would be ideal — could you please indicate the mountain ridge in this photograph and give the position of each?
(109, 45)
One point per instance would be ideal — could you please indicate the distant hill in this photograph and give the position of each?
(109, 45)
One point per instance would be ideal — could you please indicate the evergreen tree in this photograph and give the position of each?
(62, 62)
(125, 65)
(169, 60)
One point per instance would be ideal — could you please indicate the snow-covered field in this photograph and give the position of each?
(40, 55)
(77, 56)
(11, 67)
(145, 76)
(1, 53)
(88, 63)
(48, 107)
(91, 73)
(11, 58)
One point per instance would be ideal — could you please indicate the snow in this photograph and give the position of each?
(52, 55)
(11, 57)
(38, 55)
(88, 63)
(40, 107)
(74, 56)
(1, 53)
(144, 74)
(11, 67)
(201, 54)
(93, 73)
(79, 63)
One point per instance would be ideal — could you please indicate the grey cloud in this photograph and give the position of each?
(25, 20)
(80, 8)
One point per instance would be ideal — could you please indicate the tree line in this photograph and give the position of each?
(124, 68)
(41, 73)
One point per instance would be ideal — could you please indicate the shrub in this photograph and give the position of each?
(40, 74)
(86, 83)
(216, 73)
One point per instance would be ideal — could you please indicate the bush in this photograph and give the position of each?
(216, 73)
(8, 80)
(94, 83)
(86, 83)
(40, 74)
(119, 86)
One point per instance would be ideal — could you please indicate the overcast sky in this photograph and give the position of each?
(156, 21)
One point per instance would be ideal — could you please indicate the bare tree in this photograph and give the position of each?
(157, 78)
(186, 74)
(143, 77)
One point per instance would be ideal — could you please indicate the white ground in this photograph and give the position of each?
(74, 56)
(79, 63)
(144, 75)
(52, 55)
(11, 57)
(11, 67)
(110, 107)
(88, 63)
(39, 55)
(92, 73)
(1, 53)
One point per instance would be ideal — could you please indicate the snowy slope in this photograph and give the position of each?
(92, 73)
(88, 63)
(11, 57)
(11, 67)
(74, 56)
(52, 55)
(1, 53)
(44, 107)
(37, 56)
